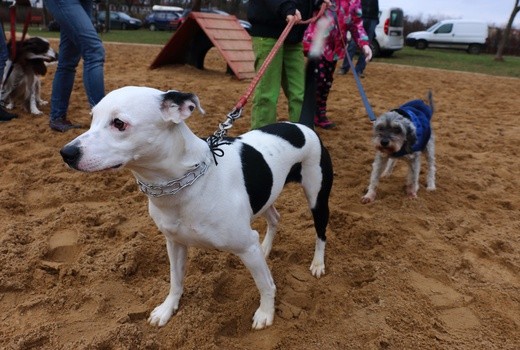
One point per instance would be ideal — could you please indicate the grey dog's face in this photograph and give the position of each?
(391, 131)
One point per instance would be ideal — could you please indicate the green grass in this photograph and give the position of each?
(431, 58)
(142, 36)
(455, 60)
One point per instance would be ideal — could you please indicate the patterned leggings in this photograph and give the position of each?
(324, 83)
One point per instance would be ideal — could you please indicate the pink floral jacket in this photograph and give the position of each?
(348, 13)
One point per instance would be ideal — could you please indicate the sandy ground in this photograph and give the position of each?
(82, 264)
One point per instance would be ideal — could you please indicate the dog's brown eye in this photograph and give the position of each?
(119, 124)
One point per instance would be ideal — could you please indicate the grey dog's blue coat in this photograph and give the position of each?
(420, 115)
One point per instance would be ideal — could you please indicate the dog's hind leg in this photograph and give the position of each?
(33, 106)
(9, 104)
(37, 93)
(253, 258)
(177, 254)
(272, 217)
(390, 165)
(318, 193)
(6, 98)
(430, 157)
(412, 179)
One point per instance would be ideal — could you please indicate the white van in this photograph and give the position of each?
(389, 32)
(453, 34)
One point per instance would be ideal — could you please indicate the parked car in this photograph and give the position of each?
(245, 24)
(453, 34)
(120, 20)
(389, 32)
(162, 18)
(54, 26)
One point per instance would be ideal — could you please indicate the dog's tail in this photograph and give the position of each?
(315, 52)
(430, 100)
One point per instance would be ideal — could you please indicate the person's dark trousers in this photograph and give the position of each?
(370, 27)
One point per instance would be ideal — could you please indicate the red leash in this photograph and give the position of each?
(243, 100)
(12, 17)
(265, 64)
(237, 110)
(26, 23)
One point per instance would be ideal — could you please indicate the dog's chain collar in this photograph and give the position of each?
(173, 186)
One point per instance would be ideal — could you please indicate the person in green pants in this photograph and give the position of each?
(268, 19)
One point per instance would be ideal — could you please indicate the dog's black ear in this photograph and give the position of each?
(178, 106)
(411, 138)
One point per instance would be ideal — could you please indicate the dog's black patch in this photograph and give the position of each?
(258, 177)
(289, 132)
(178, 97)
(320, 212)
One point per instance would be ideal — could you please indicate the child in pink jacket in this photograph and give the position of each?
(343, 16)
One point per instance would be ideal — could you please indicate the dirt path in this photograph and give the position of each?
(83, 264)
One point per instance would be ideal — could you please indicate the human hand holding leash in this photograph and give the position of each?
(297, 17)
(367, 51)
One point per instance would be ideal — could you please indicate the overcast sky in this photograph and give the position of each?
(495, 12)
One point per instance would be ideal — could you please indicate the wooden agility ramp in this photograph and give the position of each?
(199, 33)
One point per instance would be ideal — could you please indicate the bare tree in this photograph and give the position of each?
(505, 37)
(196, 5)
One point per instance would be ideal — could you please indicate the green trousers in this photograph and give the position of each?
(286, 70)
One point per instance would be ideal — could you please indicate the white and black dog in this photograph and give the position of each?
(404, 133)
(24, 82)
(196, 201)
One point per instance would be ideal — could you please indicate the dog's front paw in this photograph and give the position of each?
(162, 313)
(263, 318)
(411, 191)
(317, 268)
(43, 103)
(368, 198)
(36, 112)
(431, 187)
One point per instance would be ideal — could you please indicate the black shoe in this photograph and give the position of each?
(342, 71)
(5, 116)
(62, 125)
(324, 122)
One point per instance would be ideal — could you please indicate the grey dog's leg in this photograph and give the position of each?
(390, 164)
(430, 157)
(377, 167)
(412, 180)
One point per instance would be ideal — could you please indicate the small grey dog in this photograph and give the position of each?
(404, 133)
